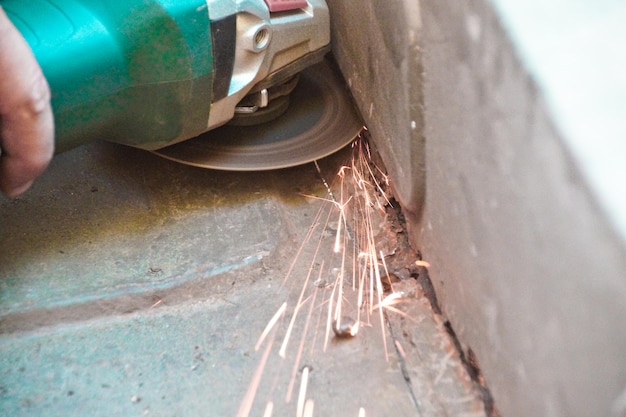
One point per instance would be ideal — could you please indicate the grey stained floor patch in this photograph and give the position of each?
(96, 228)
(131, 285)
(192, 361)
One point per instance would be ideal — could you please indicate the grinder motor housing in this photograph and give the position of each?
(151, 73)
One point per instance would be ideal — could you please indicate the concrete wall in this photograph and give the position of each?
(376, 44)
(525, 262)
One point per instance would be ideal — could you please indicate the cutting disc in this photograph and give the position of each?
(320, 120)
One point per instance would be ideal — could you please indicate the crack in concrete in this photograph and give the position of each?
(404, 369)
(468, 360)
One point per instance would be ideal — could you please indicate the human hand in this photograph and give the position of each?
(26, 120)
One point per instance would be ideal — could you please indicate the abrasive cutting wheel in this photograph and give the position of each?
(319, 121)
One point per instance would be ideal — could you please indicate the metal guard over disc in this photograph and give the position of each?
(320, 120)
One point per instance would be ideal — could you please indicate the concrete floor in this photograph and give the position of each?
(131, 285)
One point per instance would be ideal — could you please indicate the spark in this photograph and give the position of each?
(296, 363)
(308, 408)
(444, 367)
(400, 349)
(283, 348)
(342, 170)
(389, 300)
(328, 189)
(269, 408)
(422, 263)
(382, 257)
(317, 324)
(402, 313)
(270, 325)
(379, 292)
(377, 184)
(329, 317)
(360, 297)
(340, 277)
(357, 204)
(306, 239)
(302, 394)
(248, 400)
(340, 222)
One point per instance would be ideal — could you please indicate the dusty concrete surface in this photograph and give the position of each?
(524, 261)
(131, 285)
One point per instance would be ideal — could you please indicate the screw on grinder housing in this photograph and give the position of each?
(150, 73)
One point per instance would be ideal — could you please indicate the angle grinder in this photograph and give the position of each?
(246, 80)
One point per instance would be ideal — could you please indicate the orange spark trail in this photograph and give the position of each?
(269, 409)
(422, 263)
(400, 349)
(359, 211)
(379, 292)
(283, 348)
(304, 241)
(303, 388)
(248, 400)
(308, 408)
(330, 315)
(296, 363)
(270, 325)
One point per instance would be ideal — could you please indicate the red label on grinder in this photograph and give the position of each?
(282, 5)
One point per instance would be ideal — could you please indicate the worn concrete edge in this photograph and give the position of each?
(438, 372)
(452, 271)
(391, 104)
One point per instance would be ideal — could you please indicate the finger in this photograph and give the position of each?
(26, 120)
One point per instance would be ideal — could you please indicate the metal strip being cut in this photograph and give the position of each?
(284, 5)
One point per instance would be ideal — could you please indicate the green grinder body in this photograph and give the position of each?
(137, 72)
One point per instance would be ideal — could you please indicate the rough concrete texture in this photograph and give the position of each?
(131, 285)
(376, 45)
(525, 264)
